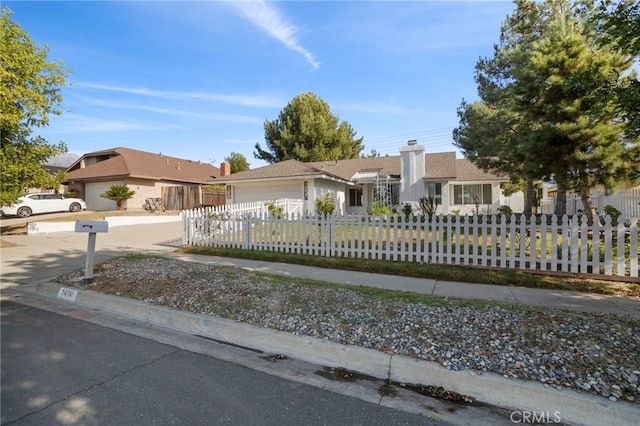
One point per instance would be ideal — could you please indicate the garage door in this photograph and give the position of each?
(268, 191)
(92, 196)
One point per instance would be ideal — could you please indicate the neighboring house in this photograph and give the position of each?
(143, 172)
(356, 183)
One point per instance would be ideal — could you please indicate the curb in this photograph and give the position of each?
(545, 404)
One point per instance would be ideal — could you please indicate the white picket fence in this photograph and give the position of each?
(627, 201)
(562, 244)
(290, 206)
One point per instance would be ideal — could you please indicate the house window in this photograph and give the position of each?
(466, 194)
(355, 197)
(434, 191)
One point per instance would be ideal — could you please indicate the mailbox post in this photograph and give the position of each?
(91, 227)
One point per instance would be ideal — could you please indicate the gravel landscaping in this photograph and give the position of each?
(598, 354)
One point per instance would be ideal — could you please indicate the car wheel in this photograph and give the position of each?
(75, 207)
(24, 212)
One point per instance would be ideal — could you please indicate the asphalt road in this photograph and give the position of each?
(61, 370)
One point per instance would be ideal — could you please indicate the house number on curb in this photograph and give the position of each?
(67, 294)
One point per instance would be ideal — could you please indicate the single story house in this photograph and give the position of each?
(143, 172)
(395, 180)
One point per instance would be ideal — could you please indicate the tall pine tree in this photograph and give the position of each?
(578, 133)
(546, 88)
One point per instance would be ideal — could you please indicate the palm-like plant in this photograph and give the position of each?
(119, 194)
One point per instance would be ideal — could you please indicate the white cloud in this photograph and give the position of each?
(84, 124)
(273, 22)
(235, 118)
(237, 99)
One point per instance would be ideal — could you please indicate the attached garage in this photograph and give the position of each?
(267, 191)
(93, 199)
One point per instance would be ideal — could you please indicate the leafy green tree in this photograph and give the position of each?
(29, 93)
(306, 130)
(119, 194)
(238, 162)
(544, 112)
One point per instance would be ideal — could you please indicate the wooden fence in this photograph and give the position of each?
(563, 244)
(181, 197)
(213, 197)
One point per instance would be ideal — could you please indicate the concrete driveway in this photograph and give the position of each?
(28, 259)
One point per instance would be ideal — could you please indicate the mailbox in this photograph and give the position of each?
(92, 226)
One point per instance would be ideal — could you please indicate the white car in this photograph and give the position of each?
(43, 203)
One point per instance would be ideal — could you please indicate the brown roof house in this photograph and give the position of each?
(455, 184)
(148, 174)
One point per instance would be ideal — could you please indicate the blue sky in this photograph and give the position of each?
(198, 79)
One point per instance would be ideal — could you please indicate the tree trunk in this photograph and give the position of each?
(561, 201)
(528, 193)
(587, 202)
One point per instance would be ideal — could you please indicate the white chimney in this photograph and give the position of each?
(411, 172)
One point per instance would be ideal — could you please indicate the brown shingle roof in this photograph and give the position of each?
(467, 171)
(440, 165)
(443, 165)
(277, 170)
(126, 162)
(345, 169)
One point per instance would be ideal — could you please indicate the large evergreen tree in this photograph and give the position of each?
(306, 130)
(492, 133)
(618, 24)
(29, 93)
(546, 92)
(579, 132)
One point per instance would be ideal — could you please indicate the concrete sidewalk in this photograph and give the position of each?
(556, 299)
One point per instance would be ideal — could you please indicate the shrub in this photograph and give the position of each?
(505, 210)
(71, 194)
(428, 206)
(326, 205)
(119, 194)
(274, 210)
(379, 208)
(613, 213)
(407, 209)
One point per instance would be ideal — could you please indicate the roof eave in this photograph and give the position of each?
(280, 178)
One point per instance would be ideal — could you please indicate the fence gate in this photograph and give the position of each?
(181, 197)
(213, 197)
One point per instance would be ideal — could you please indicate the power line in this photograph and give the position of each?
(434, 138)
(414, 135)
